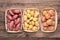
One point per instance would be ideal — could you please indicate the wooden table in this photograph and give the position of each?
(40, 4)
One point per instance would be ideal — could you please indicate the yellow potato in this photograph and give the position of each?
(35, 28)
(25, 28)
(32, 22)
(32, 13)
(35, 19)
(25, 17)
(28, 10)
(25, 12)
(36, 14)
(26, 24)
(28, 15)
(30, 26)
(27, 21)
(36, 23)
(31, 18)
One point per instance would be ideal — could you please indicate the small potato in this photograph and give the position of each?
(11, 12)
(36, 23)
(45, 28)
(18, 20)
(28, 15)
(43, 19)
(28, 11)
(15, 16)
(49, 22)
(47, 16)
(25, 12)
(18, 27)
(30, 26)
(25, 28)
(53, 23)
(31, 18)
(32, 22)
(11, 25)
(51, 28)
(53, 17)
(51, 12)
(25, 17)
(35, 19)
(26, 24)
(45, 24)
(44, 12)
(32, 13)
(36, 14)
(9, 17)
(35, 28)
(16, 11)
(27, 21)
(8, 21)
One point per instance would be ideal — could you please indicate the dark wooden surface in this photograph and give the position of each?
(40, 4)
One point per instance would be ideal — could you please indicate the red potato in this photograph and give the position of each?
(18, 20)
(11, 12)
(45, 24)
(11, 25)
(8, 24)
(45, 28)
(18, 27)
(51, 12)
(9, 17)
(16, 11)
(15, 16)
(8, 21)
(53, 17)
(49, 22)
(43, 19)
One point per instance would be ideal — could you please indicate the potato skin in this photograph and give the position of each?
(15, 16)
(18, 20)
(18, 27)
(9, 17)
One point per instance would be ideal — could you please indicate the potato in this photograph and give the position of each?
(15, 16)
(32, 13)
(25, 17)
(53, 23)
(51, 12)
(43, 19)
(18, 27)
(11, 12)
(53, 17)
(49, 22)
(45, 24)
(8, 21)
(51, 28)
(28, 11)
(26, 24)
(45, 28)
(25, 28)
(47, 16)
(18, 20)
(36, 14)
(27, 21)
(44, 12)
(9, 17)
(36, 23)
(11, 25)
(16, 11)
(32, 22)
(28, 15)
(35, 28)
(35, 19)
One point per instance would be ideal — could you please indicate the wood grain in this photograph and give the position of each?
(40, 4)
